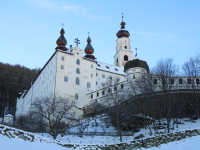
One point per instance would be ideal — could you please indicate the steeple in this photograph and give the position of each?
(61, 42)
(89, 50)
(123, 48)
(122, 32)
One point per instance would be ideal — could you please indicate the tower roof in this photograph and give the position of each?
(136, 63)
(89, 50)
(61, 41)
(122, 32)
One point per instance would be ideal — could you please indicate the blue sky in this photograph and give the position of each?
(159, 28)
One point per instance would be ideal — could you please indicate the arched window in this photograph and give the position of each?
(78, 62)
(125, 57)
(76, 96)
(77, 81)
(77, 70)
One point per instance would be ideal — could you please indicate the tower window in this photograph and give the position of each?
(125, 57)
(77, 70)
(91, 96)
(78, 62)
(97, 94)
(109, 90)
(77, 81)
(122, 86)
(62, 58)
(125, 47)
(103, 92)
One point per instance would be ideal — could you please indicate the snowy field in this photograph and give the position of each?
(19, 144)
(192, 143)
(45, 141)
(6, 143)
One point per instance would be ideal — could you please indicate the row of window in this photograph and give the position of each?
(180, 81)
(77, 61)
(103, 92)
(77, 81)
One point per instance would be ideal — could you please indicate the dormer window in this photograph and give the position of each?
(107, 67)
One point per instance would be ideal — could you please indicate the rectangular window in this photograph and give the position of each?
(171, 81)
(189, 81)
(155, 81)
(197, 81)
(62, 67)
(180, 81)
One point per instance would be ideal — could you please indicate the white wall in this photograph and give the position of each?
(43, 87)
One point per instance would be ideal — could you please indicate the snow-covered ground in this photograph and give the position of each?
(45, 141)
(19, 144)
(192, 143)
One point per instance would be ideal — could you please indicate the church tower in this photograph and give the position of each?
(123, 48)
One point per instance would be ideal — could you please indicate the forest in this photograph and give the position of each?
(14, 79)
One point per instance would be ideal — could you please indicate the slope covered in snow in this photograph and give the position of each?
(192, 143)
(19, 144)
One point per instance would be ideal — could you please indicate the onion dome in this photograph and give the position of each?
(122, 32)
(136, 63)
(89, 50)
(61, 42)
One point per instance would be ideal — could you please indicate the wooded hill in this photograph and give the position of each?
(14, 79)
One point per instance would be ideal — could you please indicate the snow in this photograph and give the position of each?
(110, 68)
(11, 144)
(192, 143)
(45, 141)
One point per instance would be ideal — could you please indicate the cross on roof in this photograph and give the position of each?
(77, 41)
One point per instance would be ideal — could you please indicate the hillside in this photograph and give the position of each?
(14, 79)
(188, 132)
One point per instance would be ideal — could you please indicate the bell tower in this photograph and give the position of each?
(123, 47)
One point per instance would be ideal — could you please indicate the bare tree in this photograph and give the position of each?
(115, 97)
(58, 114)
(191, 69)
(165, 70)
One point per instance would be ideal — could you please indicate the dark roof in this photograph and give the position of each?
(136, 63)
(123, 33)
